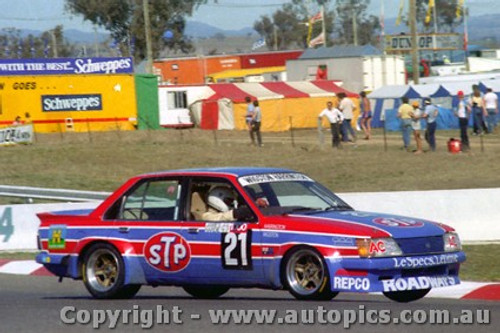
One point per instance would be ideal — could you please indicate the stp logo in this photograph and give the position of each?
(167, 251)
(397, 222)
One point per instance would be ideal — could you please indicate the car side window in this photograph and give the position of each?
(152, 200)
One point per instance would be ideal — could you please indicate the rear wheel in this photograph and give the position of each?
(104, 273)
(206, 292)
(306, 276)
(406, 295)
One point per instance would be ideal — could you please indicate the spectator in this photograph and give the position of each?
(491, 105)
(255, 124)
(347, 107)
(17, 121)
(478, 110)
(463, 112)
(430, 114)
(28, 119)
(416, 115)
(249, 115)
(335, 118)
(366, 115)
(404, 113)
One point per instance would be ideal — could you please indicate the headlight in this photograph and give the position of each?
(377, 247)
(451, 242)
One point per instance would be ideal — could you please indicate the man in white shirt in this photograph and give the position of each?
(491, 104)
(335, 117)
(347, 107)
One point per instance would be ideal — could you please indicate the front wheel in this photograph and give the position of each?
(104, 273)
(206, 292)
(406, 295)
(306, 276)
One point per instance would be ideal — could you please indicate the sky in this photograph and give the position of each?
(226, 14)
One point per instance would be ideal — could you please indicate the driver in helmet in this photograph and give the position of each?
(223, 206)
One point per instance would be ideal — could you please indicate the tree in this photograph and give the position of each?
(45, 45)
(367, 25)
(287, 27)
(124, 19)
(446, 10)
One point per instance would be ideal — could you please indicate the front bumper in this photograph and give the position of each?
(396, 273)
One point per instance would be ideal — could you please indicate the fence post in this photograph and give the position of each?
(291, 131)
(321, 135)
(215, 137)
(385, 136)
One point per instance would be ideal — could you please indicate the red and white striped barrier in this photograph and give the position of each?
(466, 290)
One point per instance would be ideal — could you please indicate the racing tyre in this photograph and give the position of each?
(406, 295)
(103, 273)
(306, 276)
(206, 292)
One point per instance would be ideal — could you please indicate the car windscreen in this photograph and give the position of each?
(277, 194)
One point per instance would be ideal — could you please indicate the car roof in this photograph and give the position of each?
(235, 171)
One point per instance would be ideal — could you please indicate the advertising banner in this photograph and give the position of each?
(66, 66)
(16, 134)
(434, 42)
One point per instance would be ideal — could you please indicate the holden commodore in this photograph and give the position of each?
(209, 230)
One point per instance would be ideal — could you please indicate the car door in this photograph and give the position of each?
(148, 218)
(224, 251)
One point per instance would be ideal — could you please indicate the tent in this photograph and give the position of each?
(388, 98)
(283, 104)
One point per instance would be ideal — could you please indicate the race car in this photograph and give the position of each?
(209, 230)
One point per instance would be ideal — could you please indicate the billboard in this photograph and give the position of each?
(425, 42)
(66, 66)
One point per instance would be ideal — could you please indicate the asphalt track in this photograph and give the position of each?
(34, 303)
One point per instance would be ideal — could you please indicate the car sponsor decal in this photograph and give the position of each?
(167, 252)
(218, 227)
(420, 282)
(351, 283)
(398, 222)
(273, 177)
(416, 262)
(57, 236)
(236, 250)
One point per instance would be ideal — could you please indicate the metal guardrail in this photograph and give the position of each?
(51, 194)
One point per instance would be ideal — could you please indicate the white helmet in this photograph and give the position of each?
(220, 197)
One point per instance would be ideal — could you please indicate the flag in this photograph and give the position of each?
(46, 47)
(320, 39)
(316, 18)
(400, 13)
(430, 8)
(258, 44)
(460, 8)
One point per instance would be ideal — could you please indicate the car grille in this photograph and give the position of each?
(421, 245)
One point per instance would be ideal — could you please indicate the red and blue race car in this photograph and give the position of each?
(208, 230)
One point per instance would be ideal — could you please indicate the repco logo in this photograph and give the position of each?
(167, 252)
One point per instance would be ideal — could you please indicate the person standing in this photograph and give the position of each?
(255, 124)
(249, 115)
(404, 113)
(463, 112)
(476, 103)
(430, 114)
(491, 105)
(366, 115)
(347, 107)
(335, 117)
(416, 115)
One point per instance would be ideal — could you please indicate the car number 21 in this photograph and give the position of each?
(236, 250)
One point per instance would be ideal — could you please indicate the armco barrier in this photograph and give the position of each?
(475, 214)
(19, 223)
